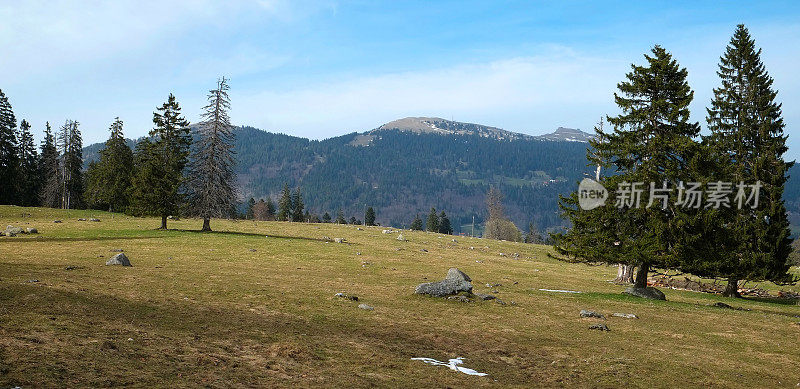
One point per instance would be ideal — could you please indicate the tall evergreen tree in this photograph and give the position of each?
(326, 218)
(416, 224)
(71, 144)
(50, 171)
(159, 177)
(109, 180)
(285, 204)
(653, 141)
(369, 217)
(747, 144)
(297, 206)
(270, 209)
(211, 186)
(432, 224)
(340, 217)
(28, 181)
(8, 151)
(250, 213)
(444, 224)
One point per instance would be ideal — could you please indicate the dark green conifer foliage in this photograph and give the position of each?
(746, 144)
(71, 144)
(8, 151)
(270, 209)
(416, 224)
(652, 141)
(109, 180)
(340, 217)
(49, 171)
(28, 179)
(285, 204)
(369, 217)
(326, 218)
(444, 224)
(161, 161)
(250, 204)
(432, 225)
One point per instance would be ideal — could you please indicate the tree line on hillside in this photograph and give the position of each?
(654, 141)
(173, 171)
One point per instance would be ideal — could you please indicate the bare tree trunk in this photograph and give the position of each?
(732, 289)
(641, 276)
(624, 274)
(206, 224)
(163, 222)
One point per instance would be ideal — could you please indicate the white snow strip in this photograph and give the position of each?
(452, 364)
(559, 290)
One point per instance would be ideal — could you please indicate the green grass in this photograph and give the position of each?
(202, 309)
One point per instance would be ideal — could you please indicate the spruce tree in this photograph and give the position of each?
(212, 182)
(270, 215)
(652, 142)
(432, 224)
(444, 224)
(109, 181)
(416, 224)
(161, 161)
(285, 204)
(50, 171)
(747, 144)
(369, 217)
(340, 217)
(70, 143)
(28, 181)
(8, 151)
(250, 204)
(326, 218)
(297, 206)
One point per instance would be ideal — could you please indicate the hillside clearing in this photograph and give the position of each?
(254, 305)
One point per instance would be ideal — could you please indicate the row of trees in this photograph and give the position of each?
(291, 208)
(653, 140)
(51, 176)
(173, 171)
(434, 223)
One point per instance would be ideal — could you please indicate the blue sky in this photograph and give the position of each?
(323, 68)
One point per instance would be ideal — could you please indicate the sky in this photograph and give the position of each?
(319, 69)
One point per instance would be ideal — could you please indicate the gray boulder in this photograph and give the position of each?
(31, 230)
(599, 326)
(455, 282)
(11, 230)
(625, 315)
(648, 293)
(119, 259)
(587, 313)
(366, 307)
(94, 219)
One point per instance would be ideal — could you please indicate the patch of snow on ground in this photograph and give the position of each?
(452, 364)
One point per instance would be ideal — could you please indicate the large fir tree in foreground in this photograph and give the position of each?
(50, 170)
(159, 176)
(28, 179)
(70, 143)
(652, 141)
(211, 184)
(746, 145)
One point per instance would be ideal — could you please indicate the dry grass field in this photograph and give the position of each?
(253, 305)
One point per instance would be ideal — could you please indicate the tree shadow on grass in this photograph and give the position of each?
(253, 234)
(76, 238)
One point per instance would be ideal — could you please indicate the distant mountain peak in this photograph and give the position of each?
(434, 125)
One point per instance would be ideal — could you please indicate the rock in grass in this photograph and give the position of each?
(11, 230)
(625, 315)
(116, 250)
(94, 219)
(459, 298)
(366, 307)
(56, 221)
(599, 326)
(648, 293)
(339, 240)
(485, 297)
(401, 238)
(81, 219)
(119, 259)
(455, 282)
(346, 296)
(588, 313)
(31, 230)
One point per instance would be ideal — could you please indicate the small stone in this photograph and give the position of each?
(33, 281)
(366, 307)
(346, 296)
(81, 219)
(119, 259)
(501, 302)
(56, 221)
(587, 313)
(253, 250)
(461, 299)
(599, 326)
(358, 252)
(116, 250)
(339, 240)
(401, 238)
(454, 240)
(94, 219)
(423, 250)
(502, 254)
(130, 339)
(359, 229)
(625, 315)
(485, 297)
(648, 293)
(31, 230)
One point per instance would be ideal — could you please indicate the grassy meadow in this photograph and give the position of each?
(252, 305)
